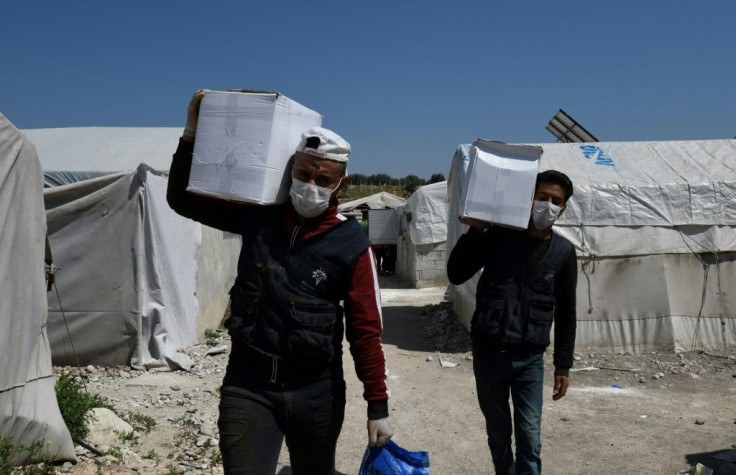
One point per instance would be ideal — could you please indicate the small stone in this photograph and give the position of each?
(90, 369)
(655, 376)
(206, 429)
(699, 422)
(175, 387)
(429, 358)
(694, 376)
(578, 358)
(67, 466)
(642, 380)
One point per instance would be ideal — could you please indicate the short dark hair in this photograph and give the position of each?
(556, 178)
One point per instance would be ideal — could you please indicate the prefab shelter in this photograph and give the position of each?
(422, 243)
(29, 412)
(136, 281)
(653, 224)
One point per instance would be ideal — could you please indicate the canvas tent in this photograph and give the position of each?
(73, 154)
(29, 412)
(423, 237)
(136, 280)
(382, 200)
(653, 226)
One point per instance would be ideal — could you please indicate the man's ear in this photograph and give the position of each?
(563, 208)
(343, 183)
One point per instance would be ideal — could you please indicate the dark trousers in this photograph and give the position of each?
(521, 374)
(255, 420)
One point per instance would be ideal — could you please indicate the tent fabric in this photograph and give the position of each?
(136, 280)
(653, 227)
(429, 210)
(128, 271)
(29, 411)
(648, 183)
(382, 200)
(73, 154)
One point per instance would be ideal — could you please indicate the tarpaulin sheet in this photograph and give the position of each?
(429, 212)
(29, 412)
(71, 154)
(127, 278)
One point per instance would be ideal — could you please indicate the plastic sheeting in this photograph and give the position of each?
(128, 280)
(74, 154)
(429, 211)
(653, 227)
(648, 183)
(29, 412)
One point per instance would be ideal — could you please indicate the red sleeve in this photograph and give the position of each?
(364, 326)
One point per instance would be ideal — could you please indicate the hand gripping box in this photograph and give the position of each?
(243, 144)
(499, 184)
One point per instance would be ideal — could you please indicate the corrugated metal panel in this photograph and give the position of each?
(383, 226)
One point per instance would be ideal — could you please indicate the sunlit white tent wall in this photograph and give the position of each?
(29, 412)
(654, 226)
(422, 244)
(136, 281)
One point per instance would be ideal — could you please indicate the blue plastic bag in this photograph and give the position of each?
(390, 459)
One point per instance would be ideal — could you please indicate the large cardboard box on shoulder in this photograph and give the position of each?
(243, 144)
(499, 184)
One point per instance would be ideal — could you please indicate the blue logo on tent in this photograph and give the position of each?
(593, 151)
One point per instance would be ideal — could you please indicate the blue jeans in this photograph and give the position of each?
(521, 373)
(254, 421)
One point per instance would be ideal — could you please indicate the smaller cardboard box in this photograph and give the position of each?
(499, 186)
(243, 144)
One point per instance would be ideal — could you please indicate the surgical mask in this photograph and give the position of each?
(309, 200)
(544, 214)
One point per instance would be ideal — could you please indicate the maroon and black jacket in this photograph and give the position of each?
(363, 318)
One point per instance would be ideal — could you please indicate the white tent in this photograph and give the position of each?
(425, 214)
(136, 280)
(73, 154)
(29, 412)
(653, 225)
(382, 200)
(423, 234)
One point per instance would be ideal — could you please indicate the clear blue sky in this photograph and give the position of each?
(404, 81)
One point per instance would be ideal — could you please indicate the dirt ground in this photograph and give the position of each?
(653, 413)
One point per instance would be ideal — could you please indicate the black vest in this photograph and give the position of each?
(512, 309)
(286, 299)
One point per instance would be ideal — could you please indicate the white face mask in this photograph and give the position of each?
(544, 214)
(309, 200)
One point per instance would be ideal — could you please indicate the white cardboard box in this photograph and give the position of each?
(499, 185)
(243, 144)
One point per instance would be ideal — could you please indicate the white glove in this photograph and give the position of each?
(379, 432)
(193, 114)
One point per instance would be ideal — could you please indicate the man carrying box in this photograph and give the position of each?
(528, 281)
(298, 261)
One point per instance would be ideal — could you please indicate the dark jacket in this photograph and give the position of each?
(527, 283)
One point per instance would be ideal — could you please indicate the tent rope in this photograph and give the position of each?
(590, 262)
(720, 300)
(706, 268)
(71, 342)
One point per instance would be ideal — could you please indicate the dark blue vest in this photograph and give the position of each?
(511, 309)
(286, 299)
